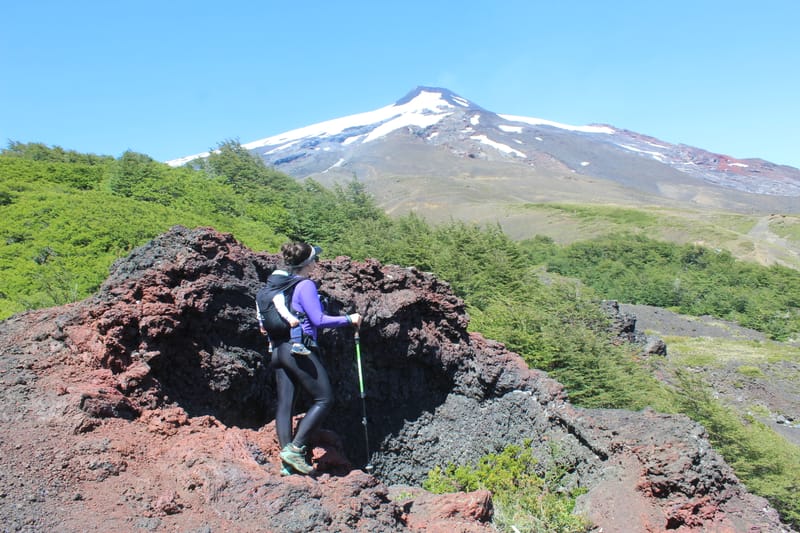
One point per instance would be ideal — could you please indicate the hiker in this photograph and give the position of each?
(305, 371)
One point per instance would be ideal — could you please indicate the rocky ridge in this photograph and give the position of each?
(149, 406)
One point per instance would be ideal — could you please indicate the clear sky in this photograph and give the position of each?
(171, 78)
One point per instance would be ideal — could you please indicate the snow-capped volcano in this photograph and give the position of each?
(422, 108)
(434, 133)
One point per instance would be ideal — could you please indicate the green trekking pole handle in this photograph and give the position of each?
(358, 363)
(357, 339)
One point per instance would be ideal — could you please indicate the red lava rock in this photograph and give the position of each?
(150, 406)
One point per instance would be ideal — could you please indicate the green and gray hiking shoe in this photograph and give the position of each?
(286, 470)
(296, 458)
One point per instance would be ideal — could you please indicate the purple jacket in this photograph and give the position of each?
(306, 299)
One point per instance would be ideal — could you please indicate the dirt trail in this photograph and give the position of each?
(771, 248)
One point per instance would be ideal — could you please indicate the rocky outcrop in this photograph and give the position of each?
(623, 328)
(150, 406)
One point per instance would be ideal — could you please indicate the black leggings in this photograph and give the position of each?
(307, 372)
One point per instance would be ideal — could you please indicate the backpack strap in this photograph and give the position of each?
(280, 282)
(289, 292)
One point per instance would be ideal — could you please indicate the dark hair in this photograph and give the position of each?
(297, 254)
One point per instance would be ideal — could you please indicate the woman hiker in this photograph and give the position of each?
(296, 370)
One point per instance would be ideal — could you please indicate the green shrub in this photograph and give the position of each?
(522, 498)
(65, 218)
(750, 371)
(558, 326)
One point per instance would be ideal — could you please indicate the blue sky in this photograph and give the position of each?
(173, 78)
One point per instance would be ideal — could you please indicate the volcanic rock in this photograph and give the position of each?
(150, 406)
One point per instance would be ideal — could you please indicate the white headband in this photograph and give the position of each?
(310, 258)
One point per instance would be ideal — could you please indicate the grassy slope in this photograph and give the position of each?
(59, 234)
(762, 239)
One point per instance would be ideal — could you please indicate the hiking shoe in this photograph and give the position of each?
(296, 458)
(300, 349)
(286, 470)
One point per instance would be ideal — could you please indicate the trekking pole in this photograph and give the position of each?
(369, 467)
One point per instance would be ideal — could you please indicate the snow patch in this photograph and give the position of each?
(542, 122)
(475, 119)
(404, 120)
(339, 163)
(281, 147)
(510, 129)
(656, 145)
(585, 163)
(658, 156)
(426, 109)
(353, 139)
(483, 139)
(183, 160)
(461, 101)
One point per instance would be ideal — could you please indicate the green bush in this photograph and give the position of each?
(556, 325)
(523, 499)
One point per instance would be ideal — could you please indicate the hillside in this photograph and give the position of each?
(67, 217)
(156, 394)
(437, 154)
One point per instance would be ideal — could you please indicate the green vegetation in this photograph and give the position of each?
(747, 236)
(557, 326)
(65, 217)
(750, 371)
(687, 352)
(616, 215)
(787, 227)
(690, 279)
(523, 498)
(767, 463)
